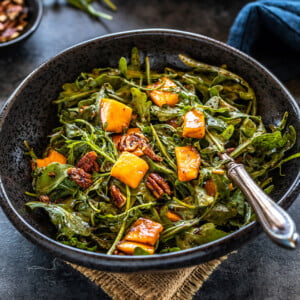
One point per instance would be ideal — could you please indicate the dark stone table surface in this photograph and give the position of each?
(259, 270)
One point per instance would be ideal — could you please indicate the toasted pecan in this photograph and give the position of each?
(82, 178)
(130, 142)
(158, 185)
(118, 198)
(88, 162)
(137, 141)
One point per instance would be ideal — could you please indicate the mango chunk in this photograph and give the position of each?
(129, 247)
(129, 169)
(173, 216)
(133, 130)
(144, 231)
(194, 124)
(115, 116)
(53, 156)
(164, 97)
(116, 138)
(188, 162)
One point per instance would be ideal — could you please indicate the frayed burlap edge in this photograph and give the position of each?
(172, 285)
(196, 279)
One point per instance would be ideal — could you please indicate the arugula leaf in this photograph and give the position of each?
(135, 60)
(237, 201)
(123, 66)
(227, 133)
(66, 223)
(214, 122)
(75, 242)
(220, 214)
(45, 183)
(201, 197)
(140, 251)
(289, 137)
(213, 102)
(222, 182)
(293, 156)
(141, 105)
(199, 236)
(169, 250)
(165, 113)
(269, 141)
(248, 127)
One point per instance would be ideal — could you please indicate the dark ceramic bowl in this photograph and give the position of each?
(29, 115)
(35, 13)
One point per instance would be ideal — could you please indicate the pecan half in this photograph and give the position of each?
(118, 198)
(80, 177)
(130, 142)
(157, 185)
(88, 162)
(150, 153)
(137, 141)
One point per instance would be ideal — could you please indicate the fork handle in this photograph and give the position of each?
(276, 222)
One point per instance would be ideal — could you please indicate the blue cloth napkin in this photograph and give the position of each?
(269, 30)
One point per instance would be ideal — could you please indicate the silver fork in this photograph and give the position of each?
(277, 223)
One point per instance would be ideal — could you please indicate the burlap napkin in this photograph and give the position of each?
(173, 285)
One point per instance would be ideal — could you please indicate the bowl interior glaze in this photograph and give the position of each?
(29, 115)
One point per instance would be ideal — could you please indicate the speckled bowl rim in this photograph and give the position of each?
(183, 258)
(33, 28)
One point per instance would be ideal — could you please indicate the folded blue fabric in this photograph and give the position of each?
(269, 30)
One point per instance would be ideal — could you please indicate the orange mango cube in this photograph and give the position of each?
(130, 169)
(173, 216)
(115, 116)
(116, 138)
(144, 231)
(188, 162)
(133, 130)
(53, 156)
(194, 124)
(164, 97)
(129, 247)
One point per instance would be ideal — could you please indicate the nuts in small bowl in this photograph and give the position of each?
(13, 19)
(18, 20)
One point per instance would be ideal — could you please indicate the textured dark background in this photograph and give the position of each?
(259, 270)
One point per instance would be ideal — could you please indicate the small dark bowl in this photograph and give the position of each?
(35, 13)
(29, 115)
